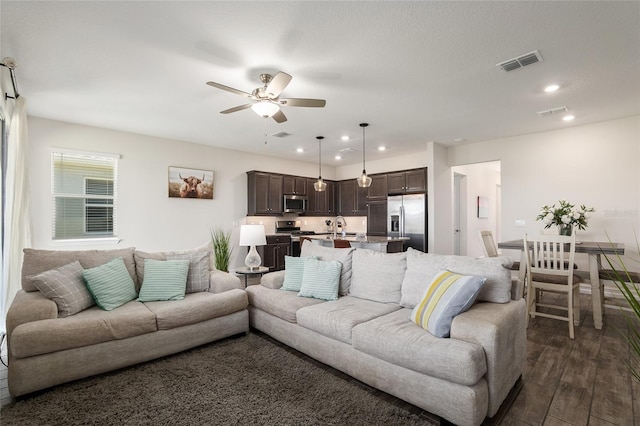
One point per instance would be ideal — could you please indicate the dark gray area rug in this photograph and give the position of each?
(246, 380)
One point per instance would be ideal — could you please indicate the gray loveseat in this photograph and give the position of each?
(367, 332)
(47, 350)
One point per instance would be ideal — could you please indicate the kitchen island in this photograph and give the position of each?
(376, 243)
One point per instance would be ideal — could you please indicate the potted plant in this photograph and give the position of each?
(221, 248)
(631, 292)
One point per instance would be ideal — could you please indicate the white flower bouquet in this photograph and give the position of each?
(566, 215)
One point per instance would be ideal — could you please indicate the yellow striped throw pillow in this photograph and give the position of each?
(448, 295)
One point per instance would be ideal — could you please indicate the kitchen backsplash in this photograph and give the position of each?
(355, 224)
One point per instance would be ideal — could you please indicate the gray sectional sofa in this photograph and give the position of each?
(47, 350)
(367, 332)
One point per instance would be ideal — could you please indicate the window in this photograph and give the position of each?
(83, 188)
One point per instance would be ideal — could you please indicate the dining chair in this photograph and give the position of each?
(337, 243)
(491, 249)
(550, 260)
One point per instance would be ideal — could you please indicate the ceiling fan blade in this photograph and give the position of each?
(234, 109)
(277, 84)
(279, 117)
(230, 89)
(300, 102)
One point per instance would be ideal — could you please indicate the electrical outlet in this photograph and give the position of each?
(520, 223)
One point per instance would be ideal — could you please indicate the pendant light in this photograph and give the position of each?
(320, 185)
(364, 181)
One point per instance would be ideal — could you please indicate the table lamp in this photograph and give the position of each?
(252, 236)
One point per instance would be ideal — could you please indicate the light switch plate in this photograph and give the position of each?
(520, 223)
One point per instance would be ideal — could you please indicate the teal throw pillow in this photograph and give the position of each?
(293, 271)
(164, 280)
(320, 279)
(110, 284)
(448, 295)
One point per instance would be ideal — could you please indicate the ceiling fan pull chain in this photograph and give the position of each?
(265, 130)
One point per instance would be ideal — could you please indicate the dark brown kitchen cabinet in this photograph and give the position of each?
(353, 199)
(321, 203)
(407, 182)
(377, 217)
(294, 185)
(264, 193)
(378, 189)
(272, 255)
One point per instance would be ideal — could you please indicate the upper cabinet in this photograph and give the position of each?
(352, 198)
(264, 194)
(407, 182)
(321, 203)
(378, 189)
(294, 185)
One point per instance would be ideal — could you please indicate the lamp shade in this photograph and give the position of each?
(265, 108)
(252, 235)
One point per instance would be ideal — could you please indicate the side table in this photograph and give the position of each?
(246, 271)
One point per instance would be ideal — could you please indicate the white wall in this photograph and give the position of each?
(596, 165)
(482, 179)
(147, 218)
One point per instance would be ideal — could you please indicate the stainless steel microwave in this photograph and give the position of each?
(295, 203)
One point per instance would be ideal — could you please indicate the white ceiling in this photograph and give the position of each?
(416, 71)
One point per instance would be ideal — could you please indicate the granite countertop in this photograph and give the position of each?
(367, 238)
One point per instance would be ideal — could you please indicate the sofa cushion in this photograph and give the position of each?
(377, 276)
(66, 287)
(110, 284)
(320, 279)
(281, 304)
(88, 327)
(329, 253)
(337, 318)
(293, 272)
(164, 280)
(37, 261)
(197, 307)
(394, 338)
(422, 267)
(448, 295)
(198, 275)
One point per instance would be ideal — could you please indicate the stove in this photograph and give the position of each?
(299, 232)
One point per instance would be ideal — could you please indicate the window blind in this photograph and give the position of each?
(83, 189)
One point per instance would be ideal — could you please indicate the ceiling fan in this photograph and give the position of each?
(267, 101)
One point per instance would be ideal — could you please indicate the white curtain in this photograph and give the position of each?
(17, 219)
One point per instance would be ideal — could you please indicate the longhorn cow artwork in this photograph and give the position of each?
(190, 183)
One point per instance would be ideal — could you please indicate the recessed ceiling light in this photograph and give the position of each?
(459, 140)
(382, 148)
(337, 157)
(345, 138)
(551, 88)
(299, 150)
(568, 117)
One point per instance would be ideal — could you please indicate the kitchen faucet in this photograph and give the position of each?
(336, 224)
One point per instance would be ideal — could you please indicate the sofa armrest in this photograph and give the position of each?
(273, 280)
(29, 306)
(500, 328)
(220, 281)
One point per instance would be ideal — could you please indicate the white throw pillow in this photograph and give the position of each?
(320, 279)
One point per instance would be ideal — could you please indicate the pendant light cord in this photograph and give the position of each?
(363, 125)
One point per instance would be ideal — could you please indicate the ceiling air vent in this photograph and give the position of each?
(552, 111)
(347, 150)
(521, 61)
(281, 135)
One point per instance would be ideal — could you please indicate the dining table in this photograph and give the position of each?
(594, 250)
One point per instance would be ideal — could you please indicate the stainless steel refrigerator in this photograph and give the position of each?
(407, 217)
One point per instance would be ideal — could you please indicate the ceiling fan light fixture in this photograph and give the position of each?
(265, 108)
(320, 185)
(364, 181)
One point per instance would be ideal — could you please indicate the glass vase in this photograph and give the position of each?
(565, 230)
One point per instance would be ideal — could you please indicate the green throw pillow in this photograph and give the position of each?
(320, 279)
(293, 271)
(448, 295)
(164, 280)
(110, 284)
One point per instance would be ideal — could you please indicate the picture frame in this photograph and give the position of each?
(190, 183)
(483, 207)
